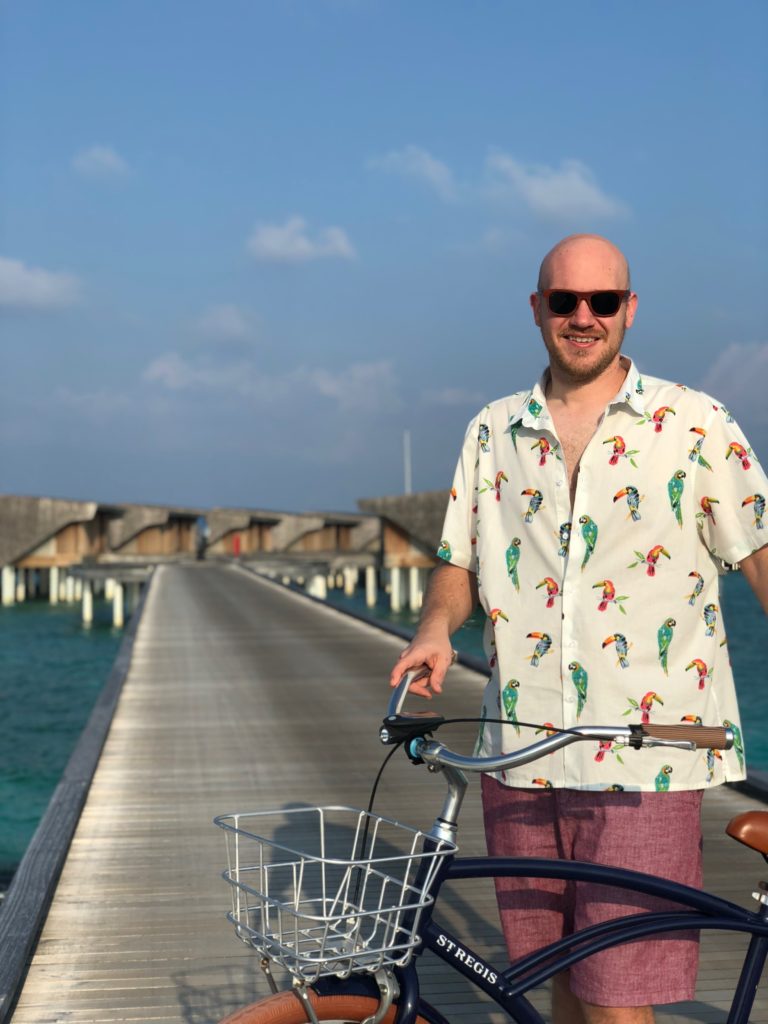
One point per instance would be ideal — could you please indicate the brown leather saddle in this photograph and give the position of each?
(751, 829)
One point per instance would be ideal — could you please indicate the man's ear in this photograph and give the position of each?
(535, 301)
(631, 308)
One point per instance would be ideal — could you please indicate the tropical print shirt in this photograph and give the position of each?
(607, 613)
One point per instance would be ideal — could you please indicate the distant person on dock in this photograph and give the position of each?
(589, 515)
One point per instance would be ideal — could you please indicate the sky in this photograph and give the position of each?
(246, 244)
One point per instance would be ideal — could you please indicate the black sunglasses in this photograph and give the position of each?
(563, 303)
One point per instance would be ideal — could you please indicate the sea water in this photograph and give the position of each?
(52, 669)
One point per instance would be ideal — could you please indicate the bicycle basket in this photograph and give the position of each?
(334, 890)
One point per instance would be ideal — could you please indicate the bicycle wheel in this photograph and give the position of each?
(285, 1008)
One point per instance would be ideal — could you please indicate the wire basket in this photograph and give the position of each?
(334, 890)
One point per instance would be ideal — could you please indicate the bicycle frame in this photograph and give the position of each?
(507, 987)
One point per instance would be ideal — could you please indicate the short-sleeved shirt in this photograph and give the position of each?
(607, 613)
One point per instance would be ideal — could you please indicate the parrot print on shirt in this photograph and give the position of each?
(664, 636)
(675, 491)
(509, 697)
(589, 533)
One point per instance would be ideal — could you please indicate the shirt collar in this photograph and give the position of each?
(533, 413)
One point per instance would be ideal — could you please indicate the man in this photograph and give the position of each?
(590, 515)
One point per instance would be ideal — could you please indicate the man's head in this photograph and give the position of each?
(583, 342)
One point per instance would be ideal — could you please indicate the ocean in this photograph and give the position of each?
(52, 670)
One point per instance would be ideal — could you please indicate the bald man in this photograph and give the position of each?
(582, 516)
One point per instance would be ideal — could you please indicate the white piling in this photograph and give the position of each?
(62, 587)
(350, 580)
(370, 586)
(8, 585)
(78, 588)
(87, 595)
(395, 595)
(109, 588)
(318, 587)
(53, 584)
(118, 606)
(21, 586)
(69, 588)
(415, 589)
(330, 581)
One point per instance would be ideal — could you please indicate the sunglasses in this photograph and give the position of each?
(563, 303)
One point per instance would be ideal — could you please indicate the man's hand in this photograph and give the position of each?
(431, 653)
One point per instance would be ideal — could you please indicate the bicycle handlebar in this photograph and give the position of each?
(399, 725)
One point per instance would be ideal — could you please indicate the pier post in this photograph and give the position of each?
(87, 603)
(8, 584)
(53, 584)
(118, 606)
(318, 587)
(69, 595)
(370, 586)
(21, 586)
(395, 595)
(330, 581)
(78, 588)
(415, 588)
(63, 586)
(350, 580)
(109, 588)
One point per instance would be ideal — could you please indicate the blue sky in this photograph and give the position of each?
(244, 245)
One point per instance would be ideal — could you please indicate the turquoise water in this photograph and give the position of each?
(745, 625)
(51, 672)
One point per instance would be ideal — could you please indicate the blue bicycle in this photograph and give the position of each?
(345, 900)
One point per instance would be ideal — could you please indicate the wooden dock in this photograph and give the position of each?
(242, 695)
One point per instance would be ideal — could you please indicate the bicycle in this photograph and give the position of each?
(349, 925)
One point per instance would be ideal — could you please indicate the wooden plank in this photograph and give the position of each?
(242, 695)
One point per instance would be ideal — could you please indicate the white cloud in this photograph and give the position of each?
(100, 162)
(415, 162)
(24, 287)
(453, 397)
(369, 387)
(565, 193)
(291, 243)
(226, 322)
(361, 387)
(737, 379)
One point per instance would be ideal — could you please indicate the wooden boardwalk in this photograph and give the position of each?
(244, 696)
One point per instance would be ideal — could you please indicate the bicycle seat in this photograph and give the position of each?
(750, 828)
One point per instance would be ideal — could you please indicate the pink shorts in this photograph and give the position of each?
(657, 833)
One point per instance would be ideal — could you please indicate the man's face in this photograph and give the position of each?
(582, 346)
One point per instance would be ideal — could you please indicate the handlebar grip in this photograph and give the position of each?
(703, 736)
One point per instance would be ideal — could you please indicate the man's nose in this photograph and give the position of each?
(582, 315)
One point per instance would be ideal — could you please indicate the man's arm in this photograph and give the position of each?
(450, 600)
(755, 568)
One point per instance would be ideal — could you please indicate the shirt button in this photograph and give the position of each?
(559, 483)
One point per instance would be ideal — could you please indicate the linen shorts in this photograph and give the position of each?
(657, 833)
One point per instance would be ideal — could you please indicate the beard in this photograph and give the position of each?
(582, 367)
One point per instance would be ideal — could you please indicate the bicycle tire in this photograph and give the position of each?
(285, 1008)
